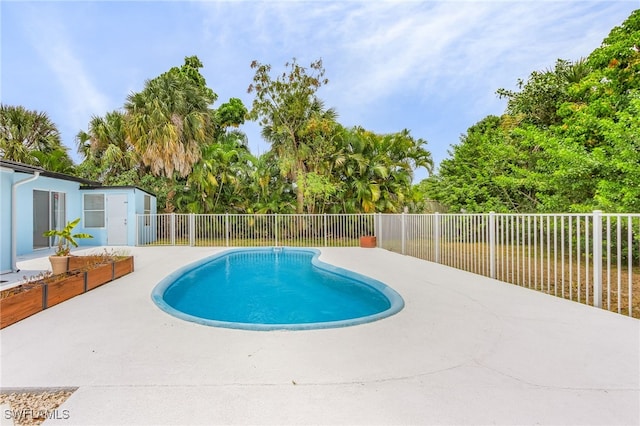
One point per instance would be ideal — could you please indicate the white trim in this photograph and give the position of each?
(14, 216)
(104, 210)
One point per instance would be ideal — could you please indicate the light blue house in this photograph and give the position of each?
(34, 200)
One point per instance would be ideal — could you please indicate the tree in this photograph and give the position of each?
(490, 169)
(594, 149)
(377, 170)
(165, 141)
(230, 114)
(106, 149)
(170, 120)
(568, 141)
(24, 132)
(55, 161)
(284, 107)
(538, 99)
(269, 192)
(217, 183)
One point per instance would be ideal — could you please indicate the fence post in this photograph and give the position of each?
(597, 258)
(404, 215)
(436, 236)
(325, 230)
(192, 229)
(137, 243)
(275, 220)
(173, 229)
(226, 228)
(492, 244)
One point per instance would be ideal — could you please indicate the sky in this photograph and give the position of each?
(432, 67)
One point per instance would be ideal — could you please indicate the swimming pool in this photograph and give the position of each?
(273, 289)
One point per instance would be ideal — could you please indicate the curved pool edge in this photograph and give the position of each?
(396, 301)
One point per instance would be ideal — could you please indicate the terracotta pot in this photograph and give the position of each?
(368, 241)
(59, 264)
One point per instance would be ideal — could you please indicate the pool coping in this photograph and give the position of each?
(395, 299)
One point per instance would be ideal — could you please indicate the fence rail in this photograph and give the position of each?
(242, 230)
(590, 258)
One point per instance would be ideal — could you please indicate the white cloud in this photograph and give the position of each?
(389, 59)
(421, 65)
(82, 98)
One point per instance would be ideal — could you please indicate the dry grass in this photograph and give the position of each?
(569, 277)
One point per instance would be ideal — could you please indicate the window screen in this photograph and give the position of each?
(147, 209)
(94, 213)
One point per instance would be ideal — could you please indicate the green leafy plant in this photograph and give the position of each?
(65, 237)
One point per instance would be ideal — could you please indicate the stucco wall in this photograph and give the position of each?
(24, 200)
(74, 206)
(135, 201)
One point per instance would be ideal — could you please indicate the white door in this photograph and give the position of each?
(117, 220)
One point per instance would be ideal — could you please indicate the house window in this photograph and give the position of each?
(147, 204)
(49, 212)
(94, 212)
(147, 210)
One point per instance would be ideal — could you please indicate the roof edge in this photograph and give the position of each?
(99, 187)
(27, 168)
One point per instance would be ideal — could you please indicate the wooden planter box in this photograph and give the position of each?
(21, 305)
(56, 289)
(77, 262)
(65, 288)
(85, 262)
(122, 266)
(100, 274)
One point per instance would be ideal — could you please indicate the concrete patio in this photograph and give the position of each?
(464, 350)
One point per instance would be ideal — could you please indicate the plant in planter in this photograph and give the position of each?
(66, 239)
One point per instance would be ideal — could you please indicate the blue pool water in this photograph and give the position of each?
(267, 289)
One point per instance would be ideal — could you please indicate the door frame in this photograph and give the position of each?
(122, 237)
(56, 216)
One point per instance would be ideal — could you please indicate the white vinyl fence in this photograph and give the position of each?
(589, 258)
(252, 230)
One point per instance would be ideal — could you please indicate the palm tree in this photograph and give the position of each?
(378, 170)
(170, 120)
(55, 161)
(217, 182)
(271, 193)
(23, 132)
(106, 146)
(575, 71)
